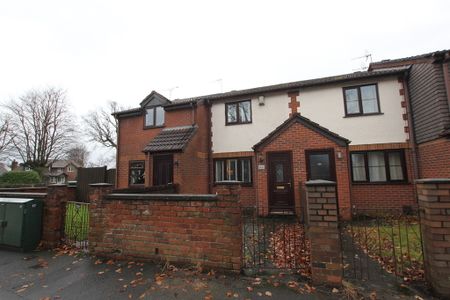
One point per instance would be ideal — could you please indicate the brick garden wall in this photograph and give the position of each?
(434, 202)
(192, 229)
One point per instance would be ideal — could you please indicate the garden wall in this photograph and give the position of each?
(191, 229)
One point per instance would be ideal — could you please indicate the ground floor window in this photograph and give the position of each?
(137, 172)
(378, 166)
(320, 164)
(233, 169)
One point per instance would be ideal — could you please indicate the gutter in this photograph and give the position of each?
(412, 137)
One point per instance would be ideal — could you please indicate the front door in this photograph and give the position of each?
(162, 169)
(281, 194)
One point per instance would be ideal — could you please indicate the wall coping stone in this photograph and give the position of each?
(101, 184)
(163, 197)
(22, 195)
(57, 185)
(433, 180)
(320, 182)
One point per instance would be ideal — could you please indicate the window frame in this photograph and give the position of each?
(239, 170)
(154, 117)
(330, 152)
(238, 122)
(129, 172)
(360, 104)
(386, 166)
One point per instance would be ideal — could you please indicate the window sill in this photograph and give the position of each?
(244, 184)
(382, 183)
(232, 124)
(363, 115)
(154, 127)
(137, 185)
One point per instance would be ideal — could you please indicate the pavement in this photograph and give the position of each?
(65, 275)
(68, 274)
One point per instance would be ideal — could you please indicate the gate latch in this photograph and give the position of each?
(3, 223)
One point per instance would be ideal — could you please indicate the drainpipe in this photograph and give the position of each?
(412, 139)
(209, 136)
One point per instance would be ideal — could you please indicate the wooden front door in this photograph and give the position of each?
(281, 193)
(162, 169)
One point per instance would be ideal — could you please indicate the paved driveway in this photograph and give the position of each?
(55, 275)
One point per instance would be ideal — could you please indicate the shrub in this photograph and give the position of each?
(20, 177)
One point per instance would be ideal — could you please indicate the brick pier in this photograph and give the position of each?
(323, 232)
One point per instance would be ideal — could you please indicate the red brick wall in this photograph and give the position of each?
(192, 172)
(298, 139)
(191, 230)
(248, 193)
(385, 196)
(434, 159)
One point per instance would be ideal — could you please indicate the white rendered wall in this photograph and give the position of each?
(323, 105)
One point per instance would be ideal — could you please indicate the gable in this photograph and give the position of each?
(305, 122)
(154, 99)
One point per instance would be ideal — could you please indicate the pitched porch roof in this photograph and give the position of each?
(297, 118)
(171, 139)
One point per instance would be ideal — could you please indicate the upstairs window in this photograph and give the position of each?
(154, 116)
(137, 172)
(234, 169)
(361, 100)
(378, 166)
(70, 168)
(238, 112)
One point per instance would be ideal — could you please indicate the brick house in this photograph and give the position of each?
(162, 143)
(349, 128)
(61, 171)
(428, 89)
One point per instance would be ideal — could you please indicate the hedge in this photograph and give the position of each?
(20, 177)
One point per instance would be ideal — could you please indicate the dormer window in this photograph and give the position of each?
(154, 116)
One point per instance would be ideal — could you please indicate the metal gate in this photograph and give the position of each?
(380, 245)
(274, 241)
(76, 224)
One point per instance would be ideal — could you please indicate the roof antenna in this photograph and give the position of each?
(220, 82)
(366, 58)
(170, 90)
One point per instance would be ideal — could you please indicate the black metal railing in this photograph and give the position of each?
(382, 244)
(274, 239)
(76, 225)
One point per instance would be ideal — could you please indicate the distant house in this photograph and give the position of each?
(3, 168)
(61, 171)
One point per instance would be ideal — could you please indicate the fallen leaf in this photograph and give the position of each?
(335, 290)
(101, 272)
(236, 295)
(250, 289)
(208, 297)
(229, 294)
(119, 270)
(68, 269)
(97, 262)
(268, 294)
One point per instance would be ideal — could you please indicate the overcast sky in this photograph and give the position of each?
(122, 50)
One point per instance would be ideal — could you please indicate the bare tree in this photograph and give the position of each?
(6, 136)
(102, 126)
(43, 126)
(78, 154)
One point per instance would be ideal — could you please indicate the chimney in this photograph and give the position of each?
(14, 165)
